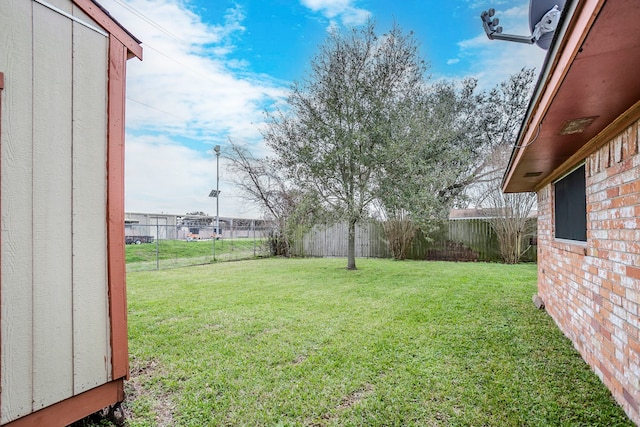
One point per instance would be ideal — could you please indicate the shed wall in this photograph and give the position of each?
(54, 284)
(17, 239)
(592, 290)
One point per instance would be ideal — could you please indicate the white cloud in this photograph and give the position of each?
(453, 61)
(183, 98)
(354, 16)
(188, 95)
(192, 81)
(476, 4)
(163, 176)
(343, 9)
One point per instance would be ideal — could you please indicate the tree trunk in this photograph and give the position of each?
(351, 245)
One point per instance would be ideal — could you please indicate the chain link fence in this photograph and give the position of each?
(159, 246)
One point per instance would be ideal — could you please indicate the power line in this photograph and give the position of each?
(202, 127)
(183, 65)
(149, 20)
(168, 33)
(157, 109)
(190, 69)
(162, 30)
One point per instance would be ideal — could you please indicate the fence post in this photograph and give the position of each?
(157, 247)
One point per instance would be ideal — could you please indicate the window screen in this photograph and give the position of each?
(571, 206)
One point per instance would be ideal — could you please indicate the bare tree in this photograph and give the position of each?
(400, 232)
(501, 115)
(511, 222)
(261, 182)
(510, 212)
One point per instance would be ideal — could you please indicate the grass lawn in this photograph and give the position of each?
(180, 253)
(289, 342)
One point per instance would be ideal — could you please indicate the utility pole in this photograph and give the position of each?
(217, 150)
(216, 193)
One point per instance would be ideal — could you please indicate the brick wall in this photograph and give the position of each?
(592, 290)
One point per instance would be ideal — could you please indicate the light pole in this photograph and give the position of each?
(216, 193)
(157, 242)
(217, 150)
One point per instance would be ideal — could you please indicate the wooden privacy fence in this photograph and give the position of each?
(331, 241)
(453, 240)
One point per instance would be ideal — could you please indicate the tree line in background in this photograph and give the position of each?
(366, 135)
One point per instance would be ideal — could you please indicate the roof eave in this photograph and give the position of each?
(113, 27)
(547, 66)
(573, 28)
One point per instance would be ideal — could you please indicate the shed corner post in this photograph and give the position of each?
(1, 89)
(115, 209)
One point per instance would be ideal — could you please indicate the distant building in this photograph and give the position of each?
(189, 227)
(479, 213)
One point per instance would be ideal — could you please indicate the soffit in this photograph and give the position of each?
(598, 84)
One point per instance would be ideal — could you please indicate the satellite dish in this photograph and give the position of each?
(544, 16)
(537, 9)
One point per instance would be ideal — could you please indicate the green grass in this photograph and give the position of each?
(284, 342)
(180, 253)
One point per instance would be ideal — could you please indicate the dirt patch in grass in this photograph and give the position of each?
(347, 402)
(355, 397)
(139, 392)
(299, 359)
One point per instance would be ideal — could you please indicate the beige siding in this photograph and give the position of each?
(15, 63)
(55, 323)
(79, 14)
(90, 310)
(52, 292)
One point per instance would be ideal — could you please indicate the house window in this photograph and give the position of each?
(571, 206)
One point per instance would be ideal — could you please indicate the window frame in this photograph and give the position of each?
(570, 206)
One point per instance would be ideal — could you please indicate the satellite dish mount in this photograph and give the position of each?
(544, 16)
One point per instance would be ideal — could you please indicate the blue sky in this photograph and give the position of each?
(212, 67)
(282, 36)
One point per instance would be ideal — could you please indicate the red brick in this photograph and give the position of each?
(630, 187)
(629, 147)
(594, 299)
(605, 372)
(613, 192)
(619, 290)
(632, 333)
(634, 346)
(633, 272)
(626, 200)
(630, 400)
